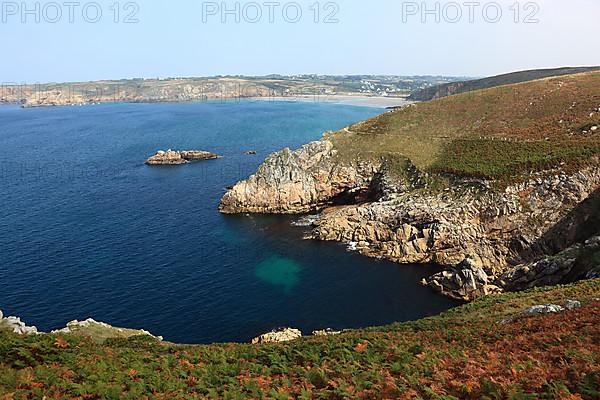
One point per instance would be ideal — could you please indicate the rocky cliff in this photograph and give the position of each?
(478, 186)
(292, 182)
(409, 223)
(490, 240)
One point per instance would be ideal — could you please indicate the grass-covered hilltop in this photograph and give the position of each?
(494, 348)
(502, 133)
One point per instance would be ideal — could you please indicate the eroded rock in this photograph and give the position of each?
(173, 157)
(278, 336)
(404, 221)
(101, 330)
(575, 263)
(294, 182)
(14, 324)
(467, 281)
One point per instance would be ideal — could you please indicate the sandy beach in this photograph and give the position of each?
(365, 101)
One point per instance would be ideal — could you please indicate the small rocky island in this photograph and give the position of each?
(174, 157)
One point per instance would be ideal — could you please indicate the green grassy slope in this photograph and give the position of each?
(501, 133)
(461, 354)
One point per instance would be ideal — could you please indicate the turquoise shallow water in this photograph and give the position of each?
(87, 230)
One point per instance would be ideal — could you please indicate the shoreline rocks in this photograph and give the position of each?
(101, 330)
(96, 330)
(17, 326)
(278, 336)
(282, 335)
(467, 281)
(174, 157)
(326, 332)
(404, 221)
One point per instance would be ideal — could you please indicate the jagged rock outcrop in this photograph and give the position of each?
(278, 336)
(467, 281)
(101, 330)
(15, 325)
(292, 182)
(495, 229)
(581, 261)
(173, 157)
(96, 330)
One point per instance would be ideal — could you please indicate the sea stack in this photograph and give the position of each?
(174, 157)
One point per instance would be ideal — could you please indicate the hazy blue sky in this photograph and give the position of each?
(370, 37)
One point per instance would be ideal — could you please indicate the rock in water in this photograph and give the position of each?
(198, 155)
(173, 157)
(278, 336)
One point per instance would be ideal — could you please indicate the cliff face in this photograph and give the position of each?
(495, 229)
(292, 182)
(409, 223)
(480, 186)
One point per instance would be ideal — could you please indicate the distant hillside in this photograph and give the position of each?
(448, 89)
(221, 88)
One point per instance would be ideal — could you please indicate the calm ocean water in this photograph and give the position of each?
(87, 230)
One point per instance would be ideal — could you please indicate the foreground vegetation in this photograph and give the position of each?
(461, 354)
(501, 134)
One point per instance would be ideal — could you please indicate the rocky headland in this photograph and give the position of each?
(99, 331)
(494, 232)
(293, 182)
(174, 157)
(468, 226)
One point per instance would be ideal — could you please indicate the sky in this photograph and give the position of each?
(79, 41)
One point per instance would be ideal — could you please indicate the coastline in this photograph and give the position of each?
(341, 99)
(494, 224)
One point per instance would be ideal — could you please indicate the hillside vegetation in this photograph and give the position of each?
(500, 134)
(450, 88)
(462, 354)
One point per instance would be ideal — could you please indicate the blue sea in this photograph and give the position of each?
(87, 230)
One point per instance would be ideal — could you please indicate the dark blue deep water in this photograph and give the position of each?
(87, 230)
